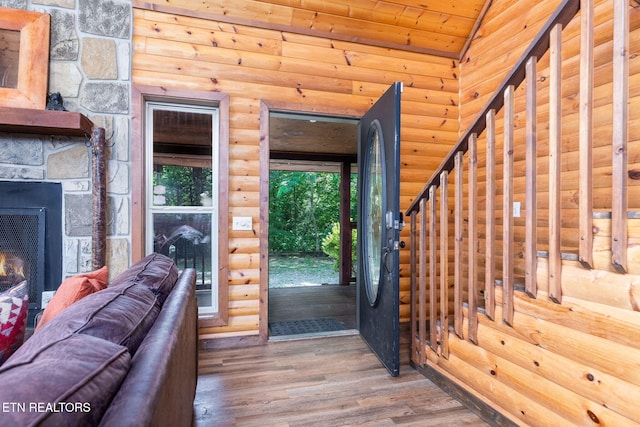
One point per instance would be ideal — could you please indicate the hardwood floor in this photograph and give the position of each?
(326, 381)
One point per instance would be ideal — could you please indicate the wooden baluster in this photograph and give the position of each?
(458, 316)
(422, 328)
(585, 202)
(620, 135)
(473, 238)
(507, 209)
(415, 312)
(444, 264)
(531, 226)
(433, 287)
(555, 166)
(490, 251)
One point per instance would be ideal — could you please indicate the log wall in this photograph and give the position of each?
(298, 73)
(570, 359)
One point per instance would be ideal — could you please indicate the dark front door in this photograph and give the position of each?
(380, 221)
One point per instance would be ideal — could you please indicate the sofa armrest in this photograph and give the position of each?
(160, 387)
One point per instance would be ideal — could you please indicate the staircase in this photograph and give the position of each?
(489, 232)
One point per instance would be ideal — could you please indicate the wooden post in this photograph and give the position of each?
(433, 287)
(422, 304)
(555, 166)
(99, 199)
(507, 207)
(458, 316)
(531, 226)
(444, 264)
(415, 349)
(473, 238)
(585, 202)
(345, 224)
(620, 135)
(490, 250)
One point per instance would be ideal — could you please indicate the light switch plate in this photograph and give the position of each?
(516, 209)
(46, 298)
(242, 223)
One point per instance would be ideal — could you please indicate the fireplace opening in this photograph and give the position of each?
(31, 238)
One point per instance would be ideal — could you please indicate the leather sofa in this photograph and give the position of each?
(123, 356)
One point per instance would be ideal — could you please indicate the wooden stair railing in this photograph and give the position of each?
(430, 322)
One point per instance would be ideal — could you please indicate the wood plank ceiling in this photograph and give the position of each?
(311, 143)
(438, 27)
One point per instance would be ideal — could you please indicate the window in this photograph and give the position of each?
(181, 190)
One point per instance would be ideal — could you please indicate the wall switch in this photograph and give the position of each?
(516, 209)
(46, 297)
(242, 223)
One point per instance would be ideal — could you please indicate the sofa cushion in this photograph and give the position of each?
(156, 271)
(64, 382)
(122, 315)
(123, 312)
(14, 309)
(73, 289)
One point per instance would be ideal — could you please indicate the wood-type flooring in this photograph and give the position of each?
(328, 381)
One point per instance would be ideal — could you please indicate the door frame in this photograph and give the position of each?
(266, 107)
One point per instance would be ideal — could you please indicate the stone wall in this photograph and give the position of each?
(90, 58)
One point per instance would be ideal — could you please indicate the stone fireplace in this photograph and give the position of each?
(31, 238)
(66, 162)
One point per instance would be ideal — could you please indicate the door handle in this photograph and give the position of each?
(386, 251)
(384, 260)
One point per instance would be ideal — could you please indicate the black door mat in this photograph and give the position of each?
(309, 326)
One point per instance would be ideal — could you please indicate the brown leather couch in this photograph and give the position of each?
(124, 356)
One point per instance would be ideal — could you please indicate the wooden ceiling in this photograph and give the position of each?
(298, 137)
(438, 27)
(182, 132)
(441, 27)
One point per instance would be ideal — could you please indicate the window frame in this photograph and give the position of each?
(141, 95)
(152, 209)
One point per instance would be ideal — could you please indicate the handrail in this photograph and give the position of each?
(563, 14)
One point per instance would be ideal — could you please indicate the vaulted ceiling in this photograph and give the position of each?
(439, 27)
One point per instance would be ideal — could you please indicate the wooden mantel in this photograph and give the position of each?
(44, 122)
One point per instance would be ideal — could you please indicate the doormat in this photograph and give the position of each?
(310, 326)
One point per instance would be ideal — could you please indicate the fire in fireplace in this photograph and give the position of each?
(31, 238)
(11, 270)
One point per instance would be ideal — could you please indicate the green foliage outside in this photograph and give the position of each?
(303, 207)
(184, 185)
(331, 244)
